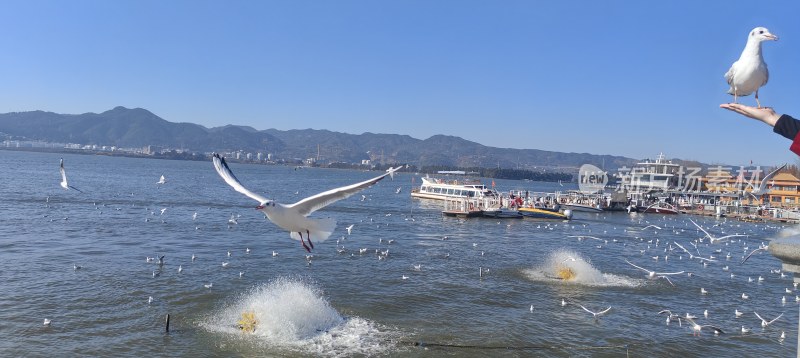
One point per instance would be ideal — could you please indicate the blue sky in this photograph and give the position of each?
(631, 78)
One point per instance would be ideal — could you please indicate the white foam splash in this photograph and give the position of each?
(293, 315)
(582, 269)
(788, 231)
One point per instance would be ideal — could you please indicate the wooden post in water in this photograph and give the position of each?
(167, 324)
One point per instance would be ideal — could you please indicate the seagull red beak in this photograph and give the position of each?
(259, 207)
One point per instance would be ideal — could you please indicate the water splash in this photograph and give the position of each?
(569, 267)
(788, 231)
(292, 315)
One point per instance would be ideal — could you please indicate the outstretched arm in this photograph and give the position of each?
(782, 124)
(764, 114)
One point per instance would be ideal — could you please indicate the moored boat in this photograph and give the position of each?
(502, 213)
(443, 189)
(583, 207)
(541, 213)
(659, 207)
(463, 208)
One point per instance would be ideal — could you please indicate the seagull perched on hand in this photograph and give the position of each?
(749, 73)
(64, 183)
(293, 217)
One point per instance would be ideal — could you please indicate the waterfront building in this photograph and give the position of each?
(784, 191)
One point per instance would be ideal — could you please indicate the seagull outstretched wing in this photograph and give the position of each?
(64, 183)
(225, 172)
(763, 185)
(321, 200)
(638, 267)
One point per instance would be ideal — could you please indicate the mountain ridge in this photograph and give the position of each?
(138, 127)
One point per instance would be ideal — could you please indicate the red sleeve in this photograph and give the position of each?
(796, 144)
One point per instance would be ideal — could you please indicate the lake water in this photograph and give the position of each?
(354, 304)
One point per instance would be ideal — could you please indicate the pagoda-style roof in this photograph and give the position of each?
(785, 178)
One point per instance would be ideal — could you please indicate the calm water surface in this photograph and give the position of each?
(353, 304)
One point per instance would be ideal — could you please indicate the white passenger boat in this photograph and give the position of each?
(443, 189)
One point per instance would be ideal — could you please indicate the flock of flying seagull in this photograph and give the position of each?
(745, 76)
(293, 218)
(720, 251)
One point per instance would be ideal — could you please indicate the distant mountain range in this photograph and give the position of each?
(123, 127)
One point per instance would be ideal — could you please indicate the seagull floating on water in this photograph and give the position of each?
(293, 217)
(162, 180)
(750, 72)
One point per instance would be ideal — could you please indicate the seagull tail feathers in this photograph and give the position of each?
(320, 230)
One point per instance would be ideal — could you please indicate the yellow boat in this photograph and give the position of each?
(538, 213)
(248, 322)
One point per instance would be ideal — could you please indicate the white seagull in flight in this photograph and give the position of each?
(293, 217)
(762, 187)
(696, 328)
(765, 323)
(595, 314)
(749, 73)
(712, 238)
(654, 275)
(64, 183)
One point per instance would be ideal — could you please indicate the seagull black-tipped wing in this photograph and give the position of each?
(321, 200)
(225, 172)
(640, 268)
(701, 228)
(763, 185)
(63, 172)
(750, 254)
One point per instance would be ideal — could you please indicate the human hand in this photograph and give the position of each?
(763, 114)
